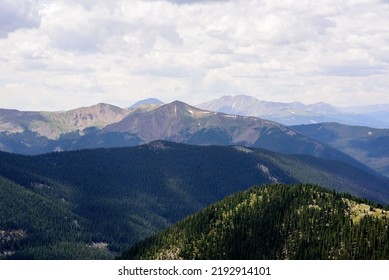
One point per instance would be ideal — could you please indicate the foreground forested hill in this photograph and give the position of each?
(276, 222)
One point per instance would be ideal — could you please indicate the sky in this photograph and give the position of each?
(64, 54)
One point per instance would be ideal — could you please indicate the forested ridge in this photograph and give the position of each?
(96, 203)
(276, 222)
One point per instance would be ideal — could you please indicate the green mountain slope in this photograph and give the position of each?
(275, 222)
(120, 196)
(34, 226)
(368, 145)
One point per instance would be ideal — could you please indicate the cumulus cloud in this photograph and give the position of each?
(121, 51)
(17, 14)
(95, 26)
(180, 2)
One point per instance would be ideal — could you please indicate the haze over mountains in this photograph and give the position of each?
(298, 113)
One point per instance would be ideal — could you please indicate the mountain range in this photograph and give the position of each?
(94, 181)
(297, 113)
(28, 133)
(95, 203)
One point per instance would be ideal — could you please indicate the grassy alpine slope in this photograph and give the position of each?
(276, 222)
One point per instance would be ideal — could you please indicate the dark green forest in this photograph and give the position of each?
(94, 204)
(276, 222)
(33, 226)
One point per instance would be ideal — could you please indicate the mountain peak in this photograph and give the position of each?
(184, 109)
(148, 101)
(96, 107)
(179, 103)
(180, 107)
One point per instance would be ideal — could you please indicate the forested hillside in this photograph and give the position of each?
(368, 145)
(276, 222)
(109, 199)
(34, 225)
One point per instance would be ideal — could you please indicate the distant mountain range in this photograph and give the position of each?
(176, 121)
(96, 203)
(298, 113)
(275, 222)
(148, 120)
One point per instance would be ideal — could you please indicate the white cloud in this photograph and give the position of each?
(17, 14)
(120, 51)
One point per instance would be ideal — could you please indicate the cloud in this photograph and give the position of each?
(17, 14)
(182, 2)
(97, 26)
(196, 50)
